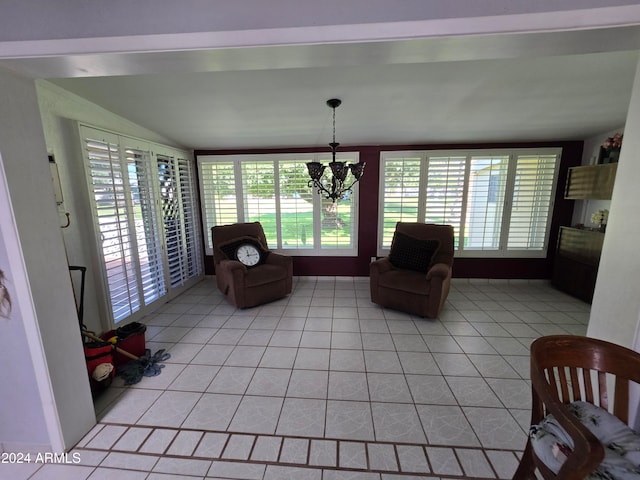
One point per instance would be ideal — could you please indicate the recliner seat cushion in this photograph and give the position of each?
(405, 281)
(622, 445)
(265, 274)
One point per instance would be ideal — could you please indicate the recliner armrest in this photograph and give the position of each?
(231, 266)
(381, 266)
(278, 259)
(439, 270)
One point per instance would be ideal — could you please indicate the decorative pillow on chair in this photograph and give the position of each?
(553, 445)
(229, 248)
(412, 253)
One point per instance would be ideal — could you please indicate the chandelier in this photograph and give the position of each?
(335, 187)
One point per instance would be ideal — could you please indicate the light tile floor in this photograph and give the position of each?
(325, 385)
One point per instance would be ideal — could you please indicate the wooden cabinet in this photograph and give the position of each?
(576, 265)
(591, 182)
(578, 251)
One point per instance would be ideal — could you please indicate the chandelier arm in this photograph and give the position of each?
(319, 187)
(351, 185)
(338, 188)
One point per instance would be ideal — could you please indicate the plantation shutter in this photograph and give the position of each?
(274, 190)
(219, 197)
(296, 205)
(171, 217)
(485, 202)
(193, 248)
(145, 219)
(532, 202)
(445, 192)
(121, 186)
(400, 177)
(107, 187)
(178, 206)
(259, 196)
(338, 220)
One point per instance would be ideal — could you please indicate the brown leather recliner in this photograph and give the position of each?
(248, 287)
(422, 293)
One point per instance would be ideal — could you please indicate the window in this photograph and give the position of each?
(445, 186)
(400, 191)
(273, 190)
(532, 201)
(191, 239)
(176, 180)
(148, 239)
(483, 217)
(498, 202)
(144, 217)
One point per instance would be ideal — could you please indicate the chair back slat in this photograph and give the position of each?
(564, 388)
(588, 386)
(552, 380)
(621, 399)
(575, 384)
(602, 387)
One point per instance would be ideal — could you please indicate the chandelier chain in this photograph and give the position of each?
(334, 184)
(334, 125)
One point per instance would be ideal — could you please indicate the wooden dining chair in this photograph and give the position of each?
(567, 369)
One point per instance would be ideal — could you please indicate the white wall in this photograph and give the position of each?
(66, 400)
(60, 110)
(616, 302)
(19, 392)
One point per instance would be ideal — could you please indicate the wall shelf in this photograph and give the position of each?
(593, 182)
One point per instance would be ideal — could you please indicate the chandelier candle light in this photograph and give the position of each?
(335, 188)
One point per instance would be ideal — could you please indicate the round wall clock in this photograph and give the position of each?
(248, 254)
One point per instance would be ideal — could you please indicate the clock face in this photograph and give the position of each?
(248, 254)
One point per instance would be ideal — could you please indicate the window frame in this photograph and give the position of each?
(275, 158)
(513, 155)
